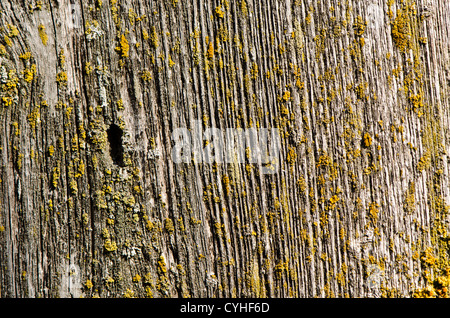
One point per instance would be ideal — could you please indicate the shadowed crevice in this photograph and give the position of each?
(115, 134)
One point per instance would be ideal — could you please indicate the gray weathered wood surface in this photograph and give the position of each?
(359, 90)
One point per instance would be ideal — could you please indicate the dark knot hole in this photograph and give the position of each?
(115, 134)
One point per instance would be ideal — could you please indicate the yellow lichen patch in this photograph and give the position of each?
(28, 73)
(17, 129)
(360, 26)
(62, 59)
(110, 246)
(42, 34)
(146, 75)
(291, 156)
(244, 8)
(410, 200)
(137, 278)
(367, 140)
(390, 3)
(219, 12)
(301, 183)
(162, 269)
(428, 257)
(219, 228)
(254, 71)
(424, 161)
(148, 292)
(88, 284)
(13, 31)
(168, 225)
(123, 48)
(171, 62)
(128, 293)
(7, 101)
(401, 33)
(56, 175)
(333, 201)
(281, 267)
(7, 40)
(145, 35)
(423, 40)
(9, 81)
(120, 104)
(88, 68)
(417, 104)
(441, 284)
(286, 96)
(154, 37)
(25, 56)
(361, 90)
(427, 292)
(211, 50)
(19, 160)
(80, 169)
(308, 18)
(324, 161)
(73, 186)
(33, 117)
(132, 16)
(226, 183)
(373, 212)
(61, 78)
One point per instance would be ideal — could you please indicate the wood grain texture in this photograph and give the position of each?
(358, 208)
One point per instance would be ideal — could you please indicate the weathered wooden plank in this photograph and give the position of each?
(92, 203)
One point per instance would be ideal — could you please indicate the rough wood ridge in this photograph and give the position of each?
(92, 204)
